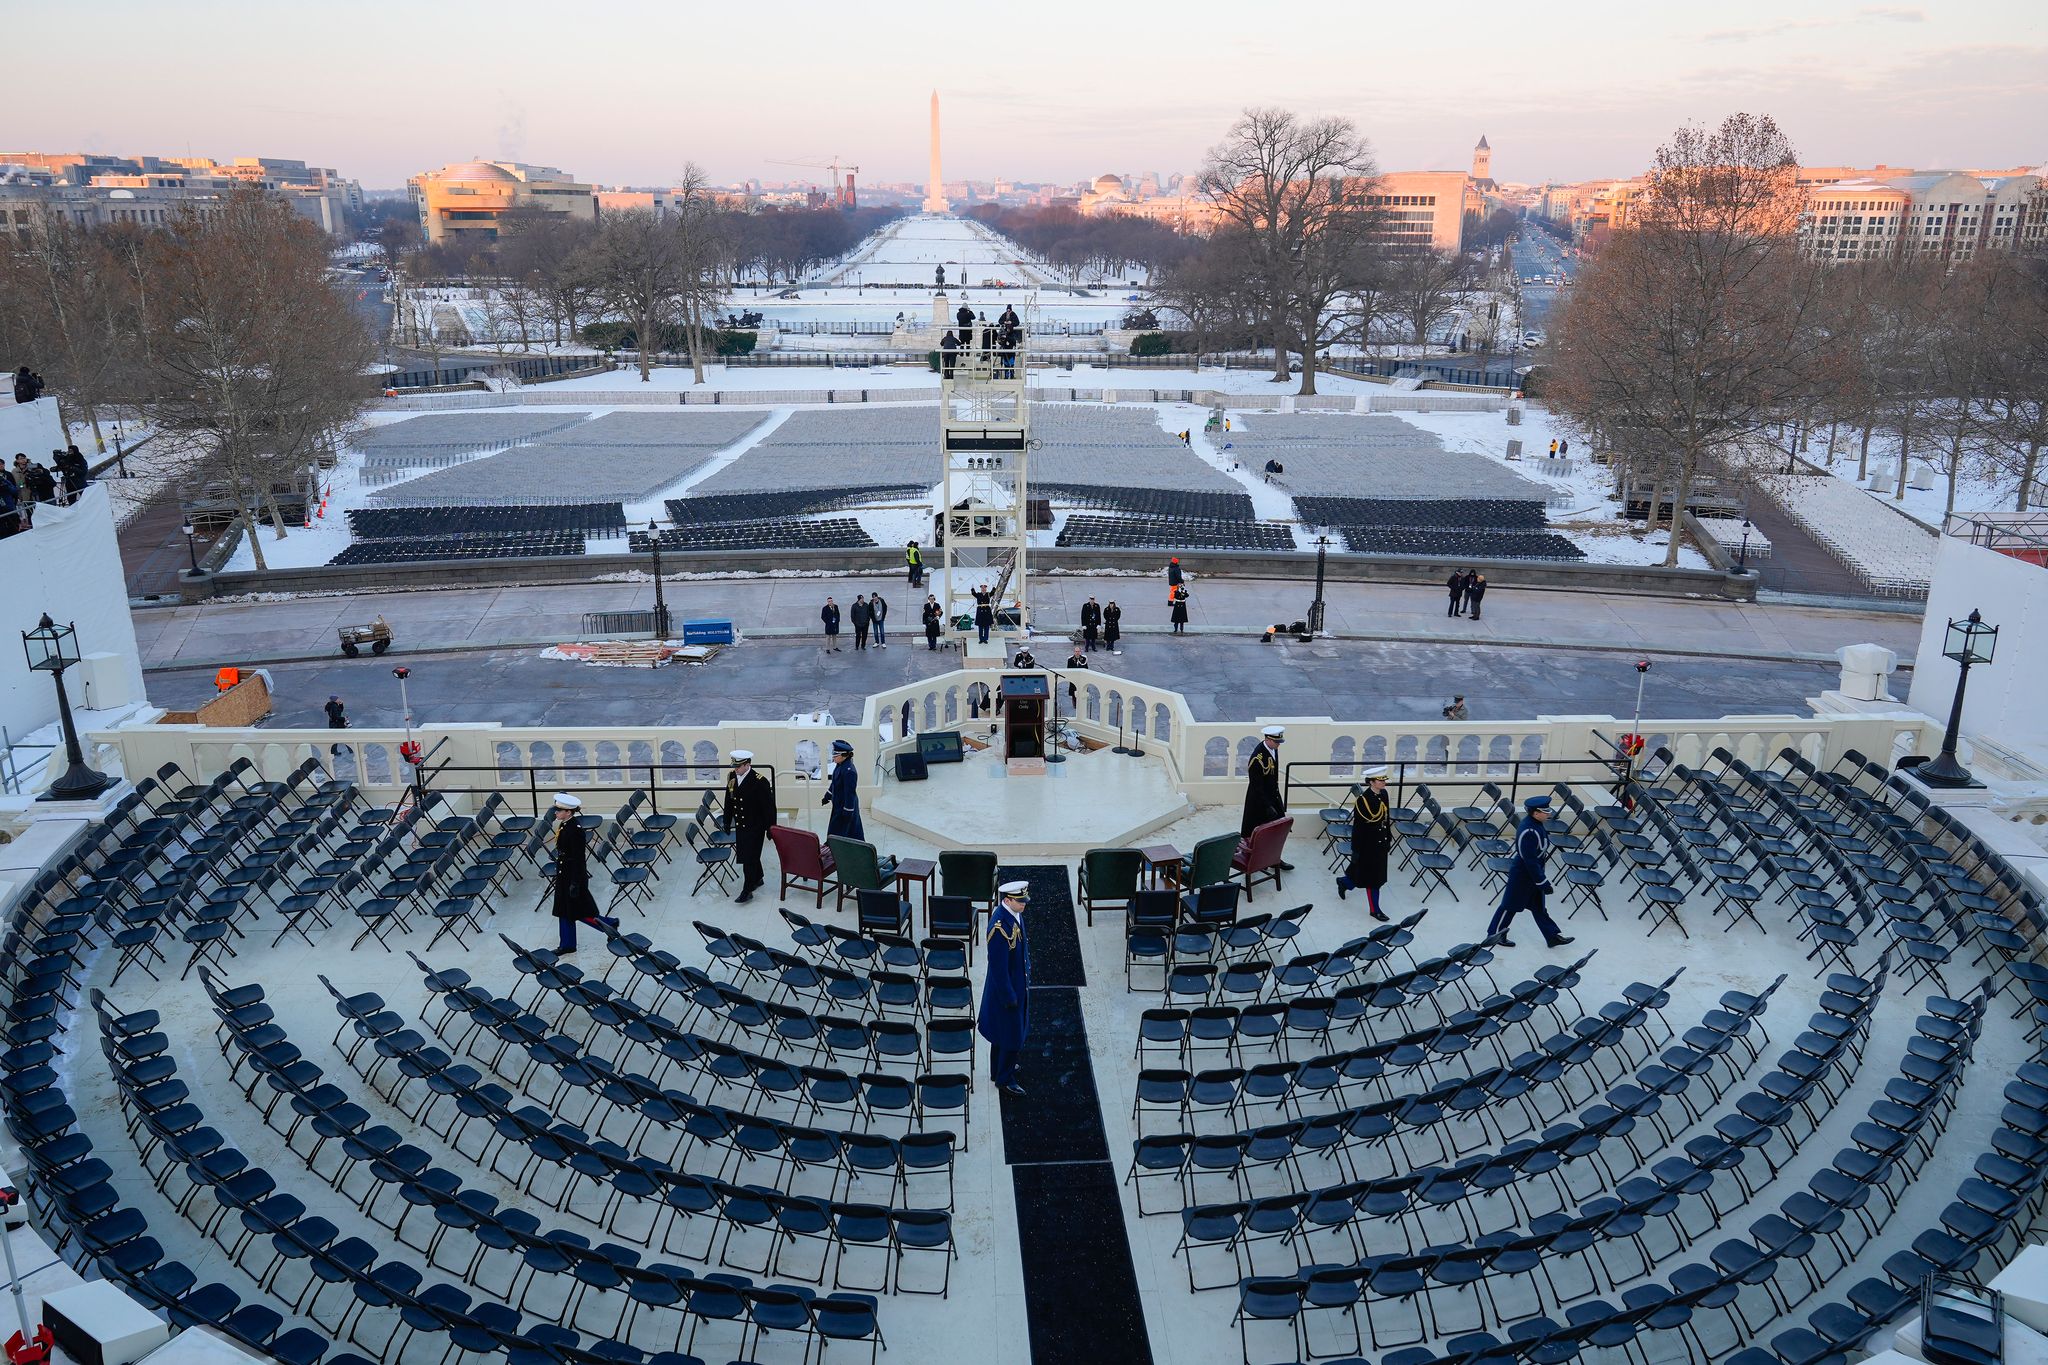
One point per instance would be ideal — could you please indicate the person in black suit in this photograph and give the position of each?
(749, 815)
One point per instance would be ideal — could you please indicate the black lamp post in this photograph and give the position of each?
(1969, 641)
(660, 604)
(191, 554)
(1315, 608)
(51, 649)
(1742, 550)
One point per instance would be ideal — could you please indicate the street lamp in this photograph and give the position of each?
(51, 649)
(660, 606)
(1742, 550)
(1315, 608)
(191, 555)
(1969, 641)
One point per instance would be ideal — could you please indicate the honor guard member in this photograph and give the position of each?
(1528, 881)
(934, 615)
(1091, 621)
(749, 814)
(1372, 838)
(1006, 990)
(573, 901)
(841, 796)
(1262, 799)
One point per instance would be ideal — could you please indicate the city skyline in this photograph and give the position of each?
(1577, 97)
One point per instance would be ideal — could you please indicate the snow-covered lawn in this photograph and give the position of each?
(1578, 499)
(1982, 485)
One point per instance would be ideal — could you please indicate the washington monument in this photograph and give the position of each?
(935, 191)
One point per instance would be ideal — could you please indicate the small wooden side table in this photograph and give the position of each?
(1161, 860)
(917, 870)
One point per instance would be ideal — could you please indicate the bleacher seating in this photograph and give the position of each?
(416, 523)
(582, 461)
(1450, 514)
(781, 533)
(714, 508)
(1196, 503)
(464, 545)
(1186, 532)
(1464, 545)
(1359, 455)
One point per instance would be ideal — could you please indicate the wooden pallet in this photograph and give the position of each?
(631, 655)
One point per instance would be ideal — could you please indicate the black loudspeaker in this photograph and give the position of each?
(910, 767)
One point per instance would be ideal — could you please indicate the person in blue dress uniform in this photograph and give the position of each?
(1528, 881)
(841, 796)
(1005, 991)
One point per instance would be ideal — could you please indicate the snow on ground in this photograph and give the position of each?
(343, 489)
(1581, 506)
(784, 379)
(1982, 487)
(656, 507)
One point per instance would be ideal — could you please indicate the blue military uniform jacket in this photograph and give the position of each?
(839, 791)
(1527, 880)
(1005, 992)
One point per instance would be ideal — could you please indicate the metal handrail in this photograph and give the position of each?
(431, 780)
(1399, 770)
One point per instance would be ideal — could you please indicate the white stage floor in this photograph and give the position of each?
(1093, 800)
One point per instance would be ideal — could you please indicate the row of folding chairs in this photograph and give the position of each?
(932, 982)
(1396, 1290)
(1474, 1106)
(946, 1005)
(642, 1105)
(1168, 928)
(1509, 1176)
(1498, 1020)
(1317, 995)
(589, 1280)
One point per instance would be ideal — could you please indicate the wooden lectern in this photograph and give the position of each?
(1024, 702)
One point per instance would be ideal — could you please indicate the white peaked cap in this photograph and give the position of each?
(743, 755)
(1015, 888)
(1378, 770)
(1275, 732)
(564, 801)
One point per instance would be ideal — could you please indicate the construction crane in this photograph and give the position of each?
(842, 189)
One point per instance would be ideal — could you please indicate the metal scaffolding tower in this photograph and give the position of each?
(985, 440)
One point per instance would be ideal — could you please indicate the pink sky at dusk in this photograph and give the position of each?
(625, 92)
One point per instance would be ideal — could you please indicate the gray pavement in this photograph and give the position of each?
(209, 634)
(1223, 678)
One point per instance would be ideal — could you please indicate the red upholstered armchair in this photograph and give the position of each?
(1258, 858)
(806, 862)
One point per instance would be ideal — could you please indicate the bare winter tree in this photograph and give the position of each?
(252, 352)
(65, 291)
(704, 248)
(1424, 287)
(641, 273)
(1208, 291)
(551, 253)
(2015, 378)
(1695, 330)
(1299, 191)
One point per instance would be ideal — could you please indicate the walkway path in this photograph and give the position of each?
(1080, 1287)
(247, 632)
(1798, 562)
(1223, 678)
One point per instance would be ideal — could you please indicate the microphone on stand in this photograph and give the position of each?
(1052, 737)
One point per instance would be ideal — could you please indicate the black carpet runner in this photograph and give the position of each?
(1080, 1288)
